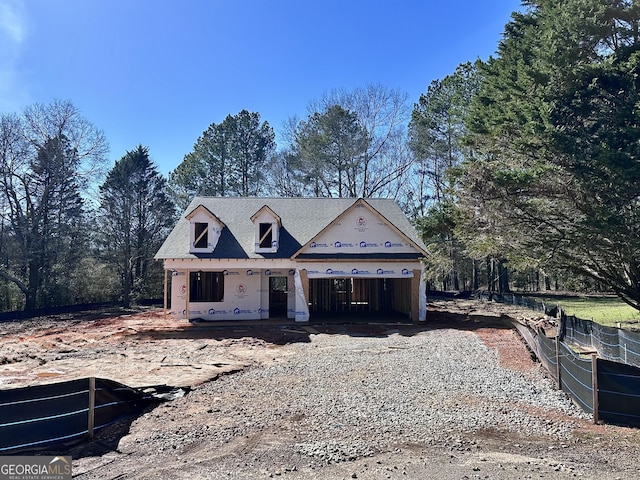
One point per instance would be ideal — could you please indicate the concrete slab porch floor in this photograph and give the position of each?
(331, 318)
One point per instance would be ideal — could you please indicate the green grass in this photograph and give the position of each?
(606, 310)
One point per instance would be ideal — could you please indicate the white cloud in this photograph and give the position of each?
(12, 21)
(13, 33)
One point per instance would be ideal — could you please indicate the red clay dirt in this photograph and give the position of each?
(144, 348)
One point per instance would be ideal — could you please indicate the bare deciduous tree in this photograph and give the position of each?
(49, 157)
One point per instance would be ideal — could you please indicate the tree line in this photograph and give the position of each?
(520, 172)
(534, 155)
(61, 241)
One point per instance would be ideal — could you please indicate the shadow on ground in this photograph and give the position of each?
(283, 332)
(440, 315)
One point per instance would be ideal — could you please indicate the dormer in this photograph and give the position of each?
(204, 230)
(267, 230)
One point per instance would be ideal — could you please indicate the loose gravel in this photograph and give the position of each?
(457, 398)
(422, 388)
(357, 406)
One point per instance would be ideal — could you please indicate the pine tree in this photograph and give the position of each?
(135, 216)
(556, 176)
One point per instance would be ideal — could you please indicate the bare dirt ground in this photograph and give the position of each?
(144, 348)
(137, 349)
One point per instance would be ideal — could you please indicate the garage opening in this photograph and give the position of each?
(359, 295)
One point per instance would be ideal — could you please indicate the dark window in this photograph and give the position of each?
(278, 284)
(206, 286)
(201, 234)
(266, 235)
(340, 284)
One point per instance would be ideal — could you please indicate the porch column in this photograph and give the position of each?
(301, 282)
(304, 278)
(165, 294)
(186, 298)
(418, 314)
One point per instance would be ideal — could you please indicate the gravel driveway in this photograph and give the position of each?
(376, 403)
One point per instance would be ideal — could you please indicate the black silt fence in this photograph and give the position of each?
(613, 344)
(36, 416)
(572, 373)
(606, 340)
(576, 377)
(618, 393)
(629, 347)
(616, 385)
(548, 355)
(576, 330)
(513, 299)
(45, 416)
(62, 309)
(614, 373)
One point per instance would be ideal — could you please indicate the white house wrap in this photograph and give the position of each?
(238, 258)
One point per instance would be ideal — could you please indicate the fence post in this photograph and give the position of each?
(594, 386)
(558, 369)
(92, 406)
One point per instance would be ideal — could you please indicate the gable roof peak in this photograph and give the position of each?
(265, 208)
(303, 219)
(202, 208)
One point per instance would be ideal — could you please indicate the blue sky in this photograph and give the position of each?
(158, 73)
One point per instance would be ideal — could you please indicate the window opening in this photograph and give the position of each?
(340, 284)
(266, 235)
(201, 234)
(278, 284)
(206, 286)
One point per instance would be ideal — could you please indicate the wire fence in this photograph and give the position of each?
(520, 300)
(614, 344)
(45, 416)
(597, 366)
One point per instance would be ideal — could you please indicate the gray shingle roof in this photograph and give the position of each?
(302, 220)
